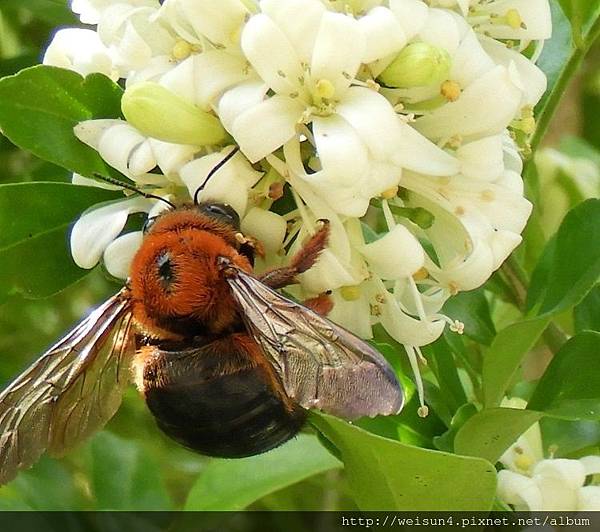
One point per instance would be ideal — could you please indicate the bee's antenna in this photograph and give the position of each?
(216, 168)
(127, 186)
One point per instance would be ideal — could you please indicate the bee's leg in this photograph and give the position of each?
(322, 304)
(301, 261)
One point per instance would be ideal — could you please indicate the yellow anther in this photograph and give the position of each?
(423, 411)
(528, 125)
(181, 50)
(421, 274)
(450, 90)
(325, 89)
(513, 19)
(488, 195)
(390, 193)
(524, 462)
(350, 293)
(453, 287)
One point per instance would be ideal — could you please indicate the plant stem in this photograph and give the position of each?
(518, 281)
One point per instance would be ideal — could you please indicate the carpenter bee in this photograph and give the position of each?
(227, 365)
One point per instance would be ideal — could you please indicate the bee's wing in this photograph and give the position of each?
(72, 390)
(320, 364)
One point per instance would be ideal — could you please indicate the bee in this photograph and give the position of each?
(227, 365)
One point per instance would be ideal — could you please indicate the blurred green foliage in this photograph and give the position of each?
(131, 466)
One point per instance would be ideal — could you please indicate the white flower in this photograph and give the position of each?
(79, 50)
(403, 117)
(532, 483)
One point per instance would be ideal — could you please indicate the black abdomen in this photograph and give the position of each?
(217, 403)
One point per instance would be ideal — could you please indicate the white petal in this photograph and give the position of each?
(353, 315)
(383, 34)
(485, 107)
(512, 181)
(512, 157)
(171, 157)
(591, 464)
(412, 15)
(469, 274)
(239, 99)
(570, 472)
(120, 252)
(99, 226)
(532, 78)
(132, 51)
(267, 227)
(152, 71)
(396, 255)
(327, 274)
(557, 494)
(502, 244)
(90, 131)
(229, 185)
(440, 29)
(78, 179)
(589, 499)
(115, 146)
(79, 50)
(219, 20)
(141, 160)
(470, 60)
(340, 150)
(402, 327)
(482, 159)
(373, 118)
(272, 56)
(339, 48)
(534, 13)
(202, 78)
(267, 126)
(299, 20)
(415, 152)
(520, 491)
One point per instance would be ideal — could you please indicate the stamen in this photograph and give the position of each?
(412, 358)
(450, 90)
(325, 89)
(350, 293)
(182, 50)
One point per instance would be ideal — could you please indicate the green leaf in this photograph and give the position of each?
(587, 313)
(134, 484)
(473, 310)
(229, 485)
(445, 442)
(490, 432)
(504, 356)
(39, 107)
(443, 365)
(55, 12)
(570, 387)
(47, 486)
(388, 475)
(570, 266)
(34, 250)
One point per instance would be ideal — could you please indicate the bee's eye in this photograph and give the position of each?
(222, 212)
(164, 266)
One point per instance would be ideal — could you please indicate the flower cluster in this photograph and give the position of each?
(400, 121)
(531, 483)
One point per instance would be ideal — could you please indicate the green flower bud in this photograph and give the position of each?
(419, 64)
(161, 114)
